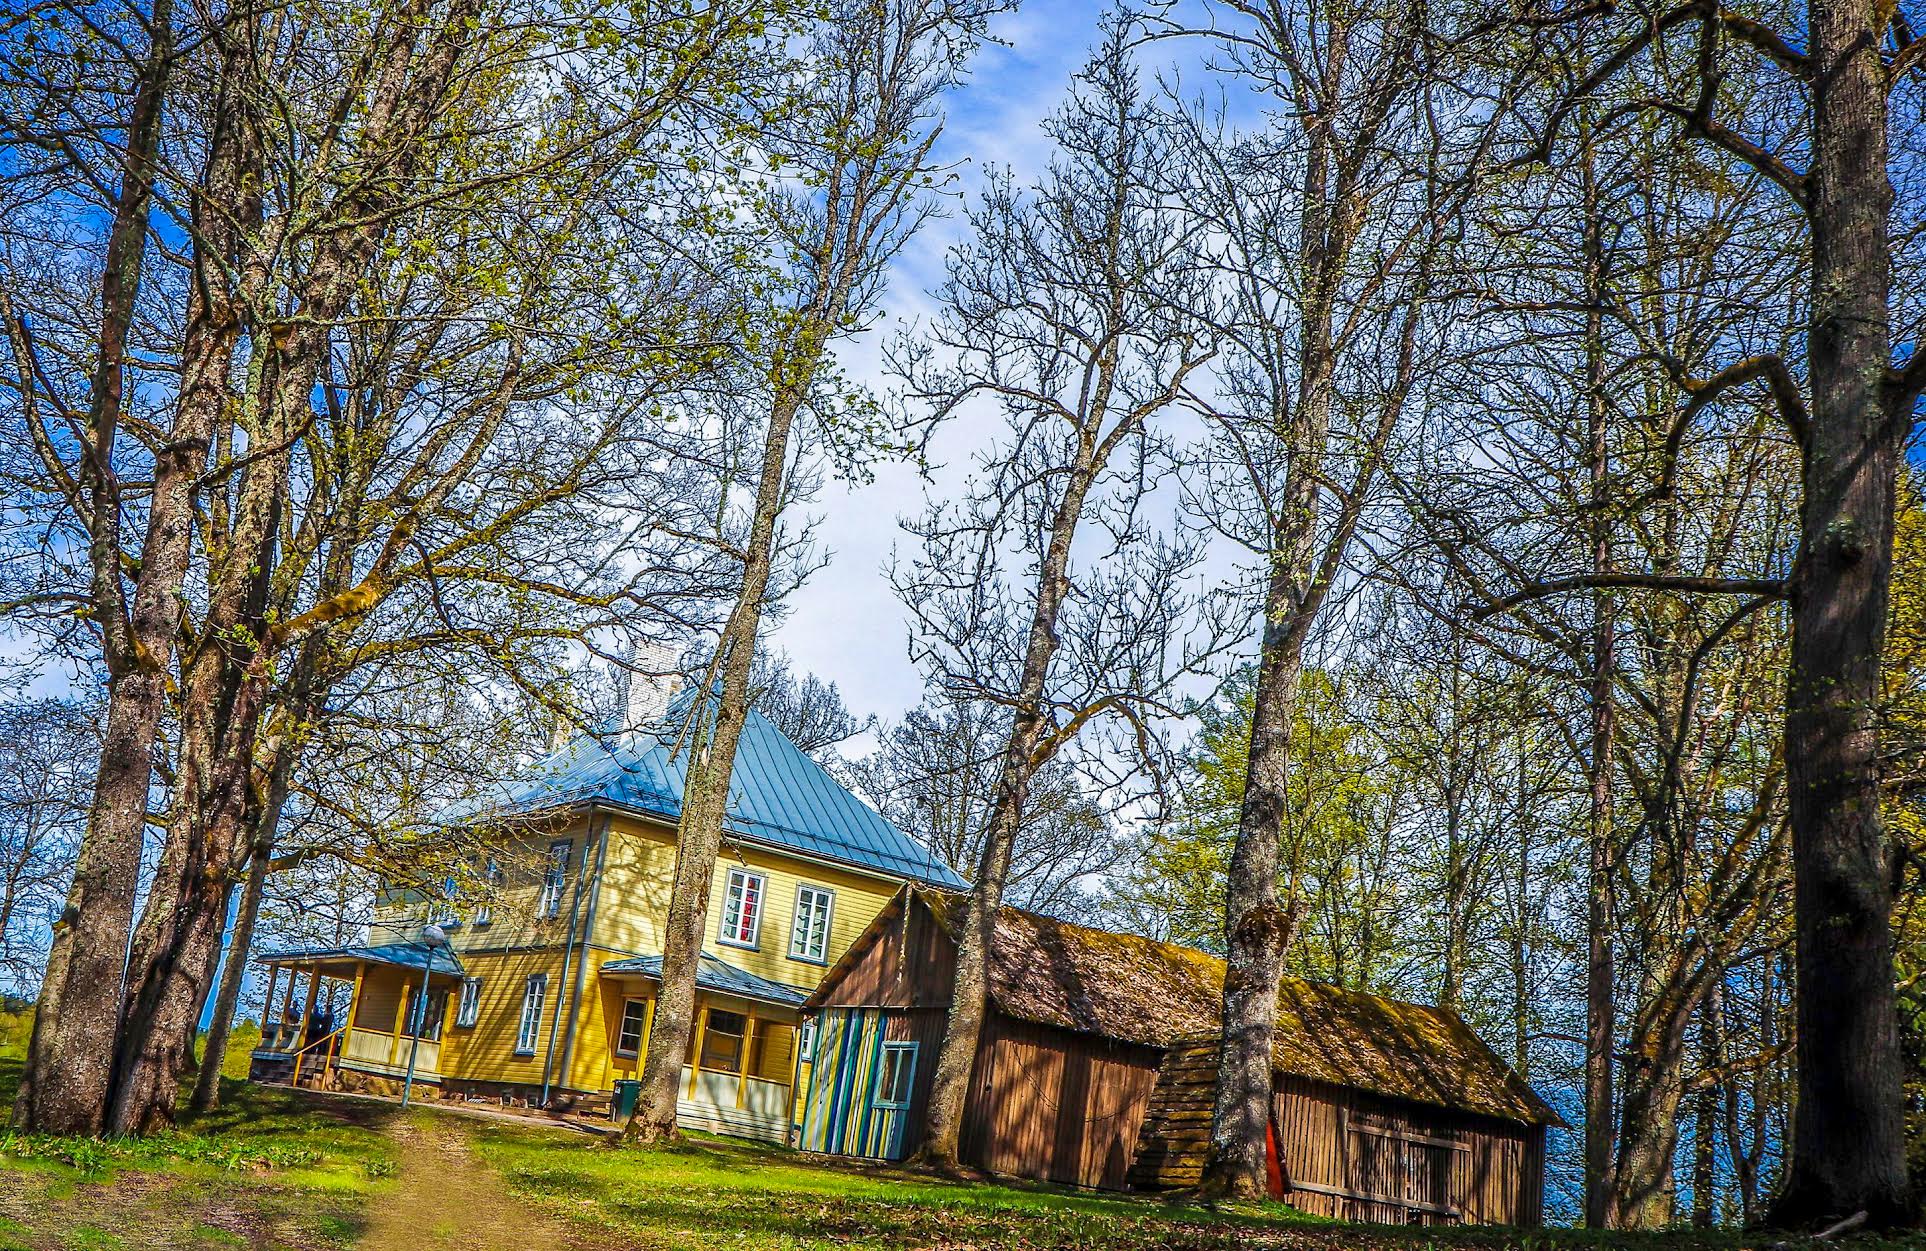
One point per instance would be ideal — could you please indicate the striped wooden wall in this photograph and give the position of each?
(839, 1115)
(842, 1117)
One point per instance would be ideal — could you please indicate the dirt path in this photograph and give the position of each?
(446, 1197)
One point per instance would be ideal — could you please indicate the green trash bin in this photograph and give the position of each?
(627, 1092)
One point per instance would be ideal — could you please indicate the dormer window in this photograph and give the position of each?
(447, 912)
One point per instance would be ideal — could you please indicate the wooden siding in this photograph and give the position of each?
(1176, 1132)
(485, 1051)
(378, 1006)
(1057, 1106)
(521, 855)
(842, 1116)
(1045, 1103)
(1376, 1159)
(640, 872)
(1349, 1154)
(904, 961)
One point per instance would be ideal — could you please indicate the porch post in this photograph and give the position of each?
(287, 994)
(401, 1019)
(748, 1050)
(267, 1004)
(301, 1030)
(695, 1054)
(354, 996)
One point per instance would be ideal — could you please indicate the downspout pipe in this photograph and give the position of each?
(568, 953)
(581, 961)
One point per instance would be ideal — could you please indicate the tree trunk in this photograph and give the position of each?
(207, 1083)
(1744, 1145)
(705, 802)
(1847, 1150)
(1600, 958)
(189, 1064)
(1705, 1113)
(164, 1006)
(1259, 926)
(963, 1031)
(1648, 1127)
(65, 1085)
(225, 685)
(223, 689)
(1521, 989)
(1457, 875)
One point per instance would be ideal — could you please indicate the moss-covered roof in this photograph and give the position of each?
(1093, 981)
(1132, 989)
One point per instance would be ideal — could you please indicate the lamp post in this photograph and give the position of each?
(433, 938)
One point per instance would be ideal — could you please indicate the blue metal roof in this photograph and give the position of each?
(713, 973)
(406, 955)
(777, 795)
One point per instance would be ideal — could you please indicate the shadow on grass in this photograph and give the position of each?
(704, 1192)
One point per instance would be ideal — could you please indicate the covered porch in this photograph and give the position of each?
(354, 1010)
(740, 1075)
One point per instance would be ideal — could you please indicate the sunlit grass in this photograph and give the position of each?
(293, 1172)
(717, 1193)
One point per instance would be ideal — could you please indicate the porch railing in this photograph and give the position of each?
(314, 1059)
(756, 1097)
(386, 1050)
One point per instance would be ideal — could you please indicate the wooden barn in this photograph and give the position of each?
(1095, 1056)
(1380, 1111)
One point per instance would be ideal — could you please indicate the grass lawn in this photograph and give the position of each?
(280, 1171)
(713, 1193)
(270, 1170)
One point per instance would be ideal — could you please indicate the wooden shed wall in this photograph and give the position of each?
(839, 1114)
(1336, 1142)
(1057, 1106)
(1431, 1165)
(909, 964)
(1045, 1103)
(924, 1027)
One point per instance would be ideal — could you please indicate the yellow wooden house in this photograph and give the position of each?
(543, 994)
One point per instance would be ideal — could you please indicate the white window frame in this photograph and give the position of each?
(434, 1014)
(728, 928)
(806, 1041)
(641, 1033)
(798, 936)
(491, 882)
(555, 879)
(528, 1030)
(468, 1011)
(447, 908)
(907, 1049)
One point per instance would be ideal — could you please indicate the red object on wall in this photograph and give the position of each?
(1273, 1165)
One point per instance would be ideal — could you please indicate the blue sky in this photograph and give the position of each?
(845, 625)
